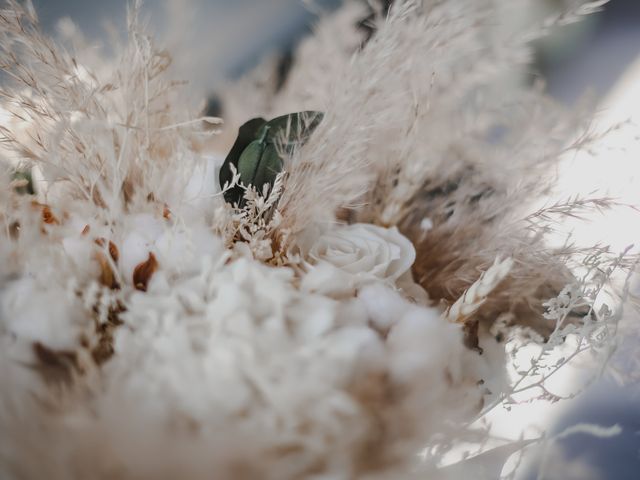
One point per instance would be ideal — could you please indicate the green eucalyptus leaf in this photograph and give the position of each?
(256, 154)
(27, 179)
(246, 134)
(270, 166)
(249, 162)
(293, 129)
(259, 164)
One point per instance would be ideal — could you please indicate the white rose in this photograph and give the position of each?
(362, 252)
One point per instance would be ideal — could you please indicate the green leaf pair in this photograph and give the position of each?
(256, 153)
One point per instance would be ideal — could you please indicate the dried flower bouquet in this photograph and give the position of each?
(361, 307)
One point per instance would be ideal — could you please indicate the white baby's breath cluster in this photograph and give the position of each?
(148, 329)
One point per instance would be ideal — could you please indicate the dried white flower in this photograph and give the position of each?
(364, 252)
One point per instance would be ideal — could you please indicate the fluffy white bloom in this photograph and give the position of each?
(35, 314)
(384, 305)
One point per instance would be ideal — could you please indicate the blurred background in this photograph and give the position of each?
(219, 40)
(225, 38)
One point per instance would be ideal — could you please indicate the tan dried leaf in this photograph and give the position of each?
(47, 215)
(143, 272)
(166, 213)
(107, 275)
(113, 250)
